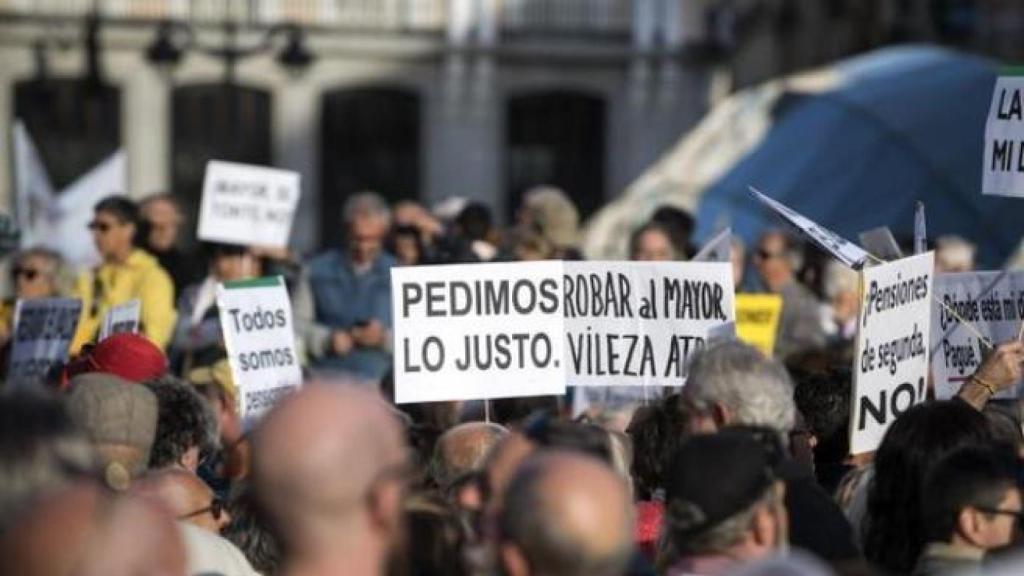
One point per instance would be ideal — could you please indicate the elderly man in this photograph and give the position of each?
(565, 514)
(777, 259)
(329, 468)
(127, 273)
(973, 506)
(459, 452)
(163, 219)
(725, 504)
(732, 384)
(185, 427)
(343, 301)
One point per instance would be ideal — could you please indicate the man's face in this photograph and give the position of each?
(365, 235)
(770, 259)
(164, 222)
(998, 529)
(111, 236)
(208, 512)
(653, 246)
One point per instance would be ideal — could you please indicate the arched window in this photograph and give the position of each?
(216, 122)
(556, 137)
(74, 122)
(370, 140)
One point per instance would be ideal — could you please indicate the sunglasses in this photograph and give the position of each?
(1017, 514)
(215, 509)
(29, 274)
(101, 227)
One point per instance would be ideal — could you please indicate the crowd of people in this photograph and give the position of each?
(131, 458)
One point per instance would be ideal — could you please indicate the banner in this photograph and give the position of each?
(248, 205)
(757, 320)
(993, 303)
(121, 318)
(891, 362)
(841, 249)
(43, 329)
(1002, 170)
(479, 331)
(57, 220)
(256, 318)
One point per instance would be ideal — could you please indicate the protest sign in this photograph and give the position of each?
(757, 320)
(477, 331)
(841, 249)
(1003, 165)
(639, 323)
(993, 302)
(248, 205)
(121, 318)
(43, 329)
(256, 317)
(524, 329)
(891, 362)
(717, 249)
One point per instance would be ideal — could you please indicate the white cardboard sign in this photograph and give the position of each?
(993, 303)
(121, 318)
(840, 248)
(248, 205)
(43, 329)
(256, 318)
(525, 329)
(890, 367)
(1002, 171)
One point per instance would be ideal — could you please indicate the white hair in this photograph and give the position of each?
(756, 390)
(363, 204)
(954, 253)
(839, 278)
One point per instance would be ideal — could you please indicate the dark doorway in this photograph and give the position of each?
(370, 140)
(216, 122)
(75, 123)
(555, 137)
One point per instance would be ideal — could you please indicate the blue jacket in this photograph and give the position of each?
(332, 296)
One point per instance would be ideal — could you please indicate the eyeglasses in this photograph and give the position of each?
(215, 509)
(1018, 514)
(29, 274)
(100, 226)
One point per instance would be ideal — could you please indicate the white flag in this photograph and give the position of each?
(33, 190)
(840, 248)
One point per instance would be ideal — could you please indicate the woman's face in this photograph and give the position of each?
(33, 278)
(406, 250)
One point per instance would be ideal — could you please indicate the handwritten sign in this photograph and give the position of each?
(121, 318)
(1003, 165)
(43, 329)
(891, 361)
(247, 205)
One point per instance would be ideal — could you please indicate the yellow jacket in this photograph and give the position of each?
(112, 284)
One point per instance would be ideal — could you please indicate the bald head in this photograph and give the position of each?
(462, 449)
(85, 531)
(316, 457)
(565, 513)
(184, 495)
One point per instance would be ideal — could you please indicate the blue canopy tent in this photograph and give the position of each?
(904, 124)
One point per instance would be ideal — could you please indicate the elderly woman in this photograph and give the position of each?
(36, 273)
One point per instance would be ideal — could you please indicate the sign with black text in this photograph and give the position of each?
(891, 362)
(43, 329)
(248, 205)
(121, 318)
(256, 318)
(1003, 166)
(526, 329)
(993, 303)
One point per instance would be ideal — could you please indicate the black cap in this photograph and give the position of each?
(715, 476)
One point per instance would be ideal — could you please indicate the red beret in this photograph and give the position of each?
(130, 356)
